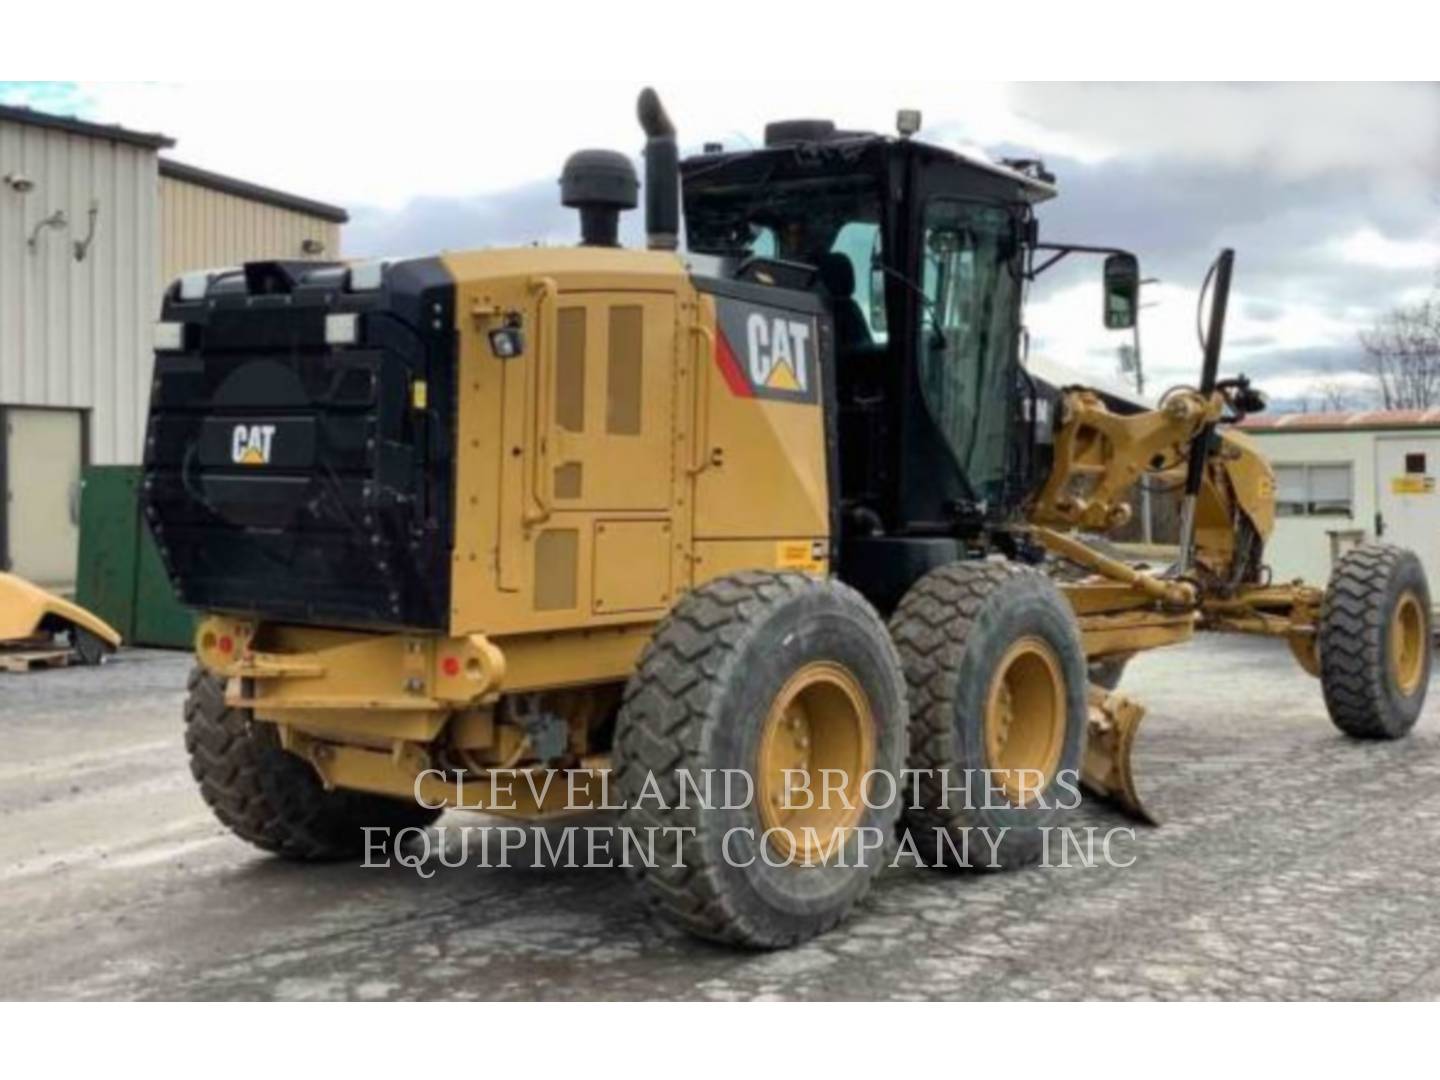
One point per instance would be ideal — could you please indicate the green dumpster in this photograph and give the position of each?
(120, 576)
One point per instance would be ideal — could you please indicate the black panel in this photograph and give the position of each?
(297, 480)
(884, 567)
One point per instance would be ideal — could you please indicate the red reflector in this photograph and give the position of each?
(227, 644)
(451, 666)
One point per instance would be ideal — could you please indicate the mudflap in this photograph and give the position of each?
(1108, 770)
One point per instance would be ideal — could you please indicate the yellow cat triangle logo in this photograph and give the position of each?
(782, 377)
(252, 456)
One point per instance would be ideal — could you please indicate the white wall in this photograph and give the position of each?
(80, 334)
(1300, 546)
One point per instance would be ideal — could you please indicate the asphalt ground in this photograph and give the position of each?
(1292, 863)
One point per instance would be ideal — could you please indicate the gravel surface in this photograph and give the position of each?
(1293, 863)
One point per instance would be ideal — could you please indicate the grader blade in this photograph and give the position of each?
(1108, 770)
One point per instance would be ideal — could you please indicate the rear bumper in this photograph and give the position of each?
(412, 678)
(380, 712)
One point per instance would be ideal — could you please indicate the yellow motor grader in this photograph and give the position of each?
(789, 503)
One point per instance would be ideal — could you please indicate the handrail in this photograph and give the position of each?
(702, 455)
(538, 452)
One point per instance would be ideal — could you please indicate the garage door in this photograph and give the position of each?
(43, 453)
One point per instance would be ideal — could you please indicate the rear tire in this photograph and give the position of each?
(747, 673)
(270, 797)
(962, 629)
(1375, 646)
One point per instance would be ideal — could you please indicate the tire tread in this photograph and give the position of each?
(269, 797)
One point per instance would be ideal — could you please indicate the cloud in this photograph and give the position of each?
(1288, 131)
(524, 215)
(1326, 237)
(1370, 248)
(528, 214)
(1327, 192)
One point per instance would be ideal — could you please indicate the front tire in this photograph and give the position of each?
(997, 682)
(756, 673)
(270, 797)
(1375, 642)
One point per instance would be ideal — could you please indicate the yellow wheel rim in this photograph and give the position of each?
(1025, 714)
(1407, 643)
(820, 720)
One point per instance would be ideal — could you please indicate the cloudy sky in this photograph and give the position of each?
(1329, 193)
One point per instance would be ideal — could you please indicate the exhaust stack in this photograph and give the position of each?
(662, 174)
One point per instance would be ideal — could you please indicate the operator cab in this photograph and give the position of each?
(920, 255)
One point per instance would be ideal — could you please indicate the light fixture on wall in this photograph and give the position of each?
(311, 246)
(82, 247)
(19, 182)
(57, 220)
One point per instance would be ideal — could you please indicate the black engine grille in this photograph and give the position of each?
(301, 481)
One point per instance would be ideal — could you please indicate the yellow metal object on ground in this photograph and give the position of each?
(1108, 769)
(28, 611)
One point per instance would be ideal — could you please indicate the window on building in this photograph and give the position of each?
(1315, 490)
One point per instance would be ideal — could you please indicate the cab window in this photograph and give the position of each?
(859, 242)
(971, 285)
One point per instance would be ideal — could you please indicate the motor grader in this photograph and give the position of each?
(789, 501)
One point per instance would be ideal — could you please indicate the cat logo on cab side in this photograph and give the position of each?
(766, 353)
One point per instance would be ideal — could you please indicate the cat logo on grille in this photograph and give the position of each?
(250, 444)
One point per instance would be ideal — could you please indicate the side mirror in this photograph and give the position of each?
(1122, 291)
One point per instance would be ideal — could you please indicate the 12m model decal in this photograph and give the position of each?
(765, 352)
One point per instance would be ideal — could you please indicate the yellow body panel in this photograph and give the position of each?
(600, 473)
(762, 472)
(596, 466)
(571, 447)
(23, 607)
(1251, 478)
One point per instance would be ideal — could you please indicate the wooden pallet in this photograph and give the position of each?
(18, 660)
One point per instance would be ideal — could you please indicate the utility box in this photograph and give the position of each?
(120, 576)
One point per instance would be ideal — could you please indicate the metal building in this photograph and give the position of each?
(211, 220)
(1346, 478)
(93, 224)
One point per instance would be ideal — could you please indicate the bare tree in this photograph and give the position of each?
(1333, 397)
(1403, 347)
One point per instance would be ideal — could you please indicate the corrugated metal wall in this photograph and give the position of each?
(79, 333)
(202, 228)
